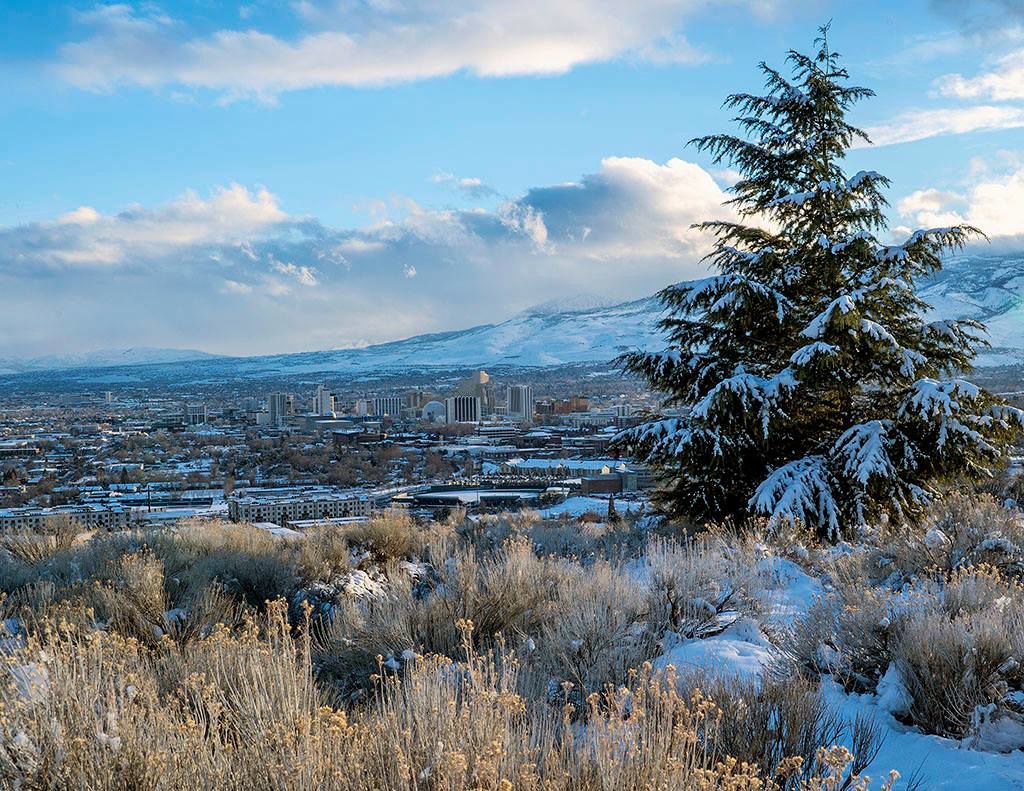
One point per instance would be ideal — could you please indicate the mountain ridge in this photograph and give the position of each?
(565, 331)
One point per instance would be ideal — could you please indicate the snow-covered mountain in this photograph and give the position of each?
(105, 358)
(544, 338)
(568, 331)
(989, 289)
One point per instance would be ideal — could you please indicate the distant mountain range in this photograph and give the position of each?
(105, 358)
(572, 331)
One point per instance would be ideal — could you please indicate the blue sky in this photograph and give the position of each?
(261, 177)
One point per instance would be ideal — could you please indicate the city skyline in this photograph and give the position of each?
(257, 179)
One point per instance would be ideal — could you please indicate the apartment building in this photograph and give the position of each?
(282, 506)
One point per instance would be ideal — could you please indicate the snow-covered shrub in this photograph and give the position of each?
(389, 536)
(934, 651)
(130, 597)
(582, 540)
(958, 647)
(764, 722)
(846, 632)
(323, 554)
(596, 633)
(699, 586)
(960, 530)
(506, 593)
(254, 577)
(587, 541)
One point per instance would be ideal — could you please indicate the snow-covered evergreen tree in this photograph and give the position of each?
(813, 388)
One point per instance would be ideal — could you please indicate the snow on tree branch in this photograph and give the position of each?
(801, 490)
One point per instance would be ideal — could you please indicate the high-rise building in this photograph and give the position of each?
(323, 401)
(195, 414)
(387, 406)
(419, 398)
(277, 403)
(520, 402)
(479, 386)
(462, 409)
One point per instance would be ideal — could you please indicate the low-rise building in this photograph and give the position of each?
(285, 505)
(83, 517)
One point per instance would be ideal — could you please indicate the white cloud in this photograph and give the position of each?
(303, 275)
(85, 237)
(1004, 82)
(234, 287)
(471, 186)
(920, 125)
(991, 204)
(233, 273)
(933, 208)
(376, 43)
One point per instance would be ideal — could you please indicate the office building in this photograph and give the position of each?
(478, 386)
(277, 404)
(520, 402)
(387, 406)
(323, 402)
(462, 409)
(195, 414)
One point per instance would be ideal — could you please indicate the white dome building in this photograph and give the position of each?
(434, 411)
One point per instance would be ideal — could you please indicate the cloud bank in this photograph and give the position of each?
(991, 204)
(233, 272)
(375, 43)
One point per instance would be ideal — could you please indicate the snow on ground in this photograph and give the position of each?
(789, 591)
(743, 650)
(940, 763)
(577, 506)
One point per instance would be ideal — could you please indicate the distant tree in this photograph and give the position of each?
(811, 386)
(613, 515)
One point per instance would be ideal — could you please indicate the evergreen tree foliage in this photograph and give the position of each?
(811, 386)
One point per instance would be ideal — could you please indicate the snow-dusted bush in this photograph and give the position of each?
(846, 632)
(937, 651)
(766, 721)
(960, 530)
(507, 593)
(958, 649)
(698, 587)
(596, 632)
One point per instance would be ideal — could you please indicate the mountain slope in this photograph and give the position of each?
(105, 358)
(529, 340)
(565, 332)
(989, 289)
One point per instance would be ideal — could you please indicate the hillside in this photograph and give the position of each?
(557, 333)
(104, 358)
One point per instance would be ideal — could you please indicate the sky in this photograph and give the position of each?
(268, 176)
